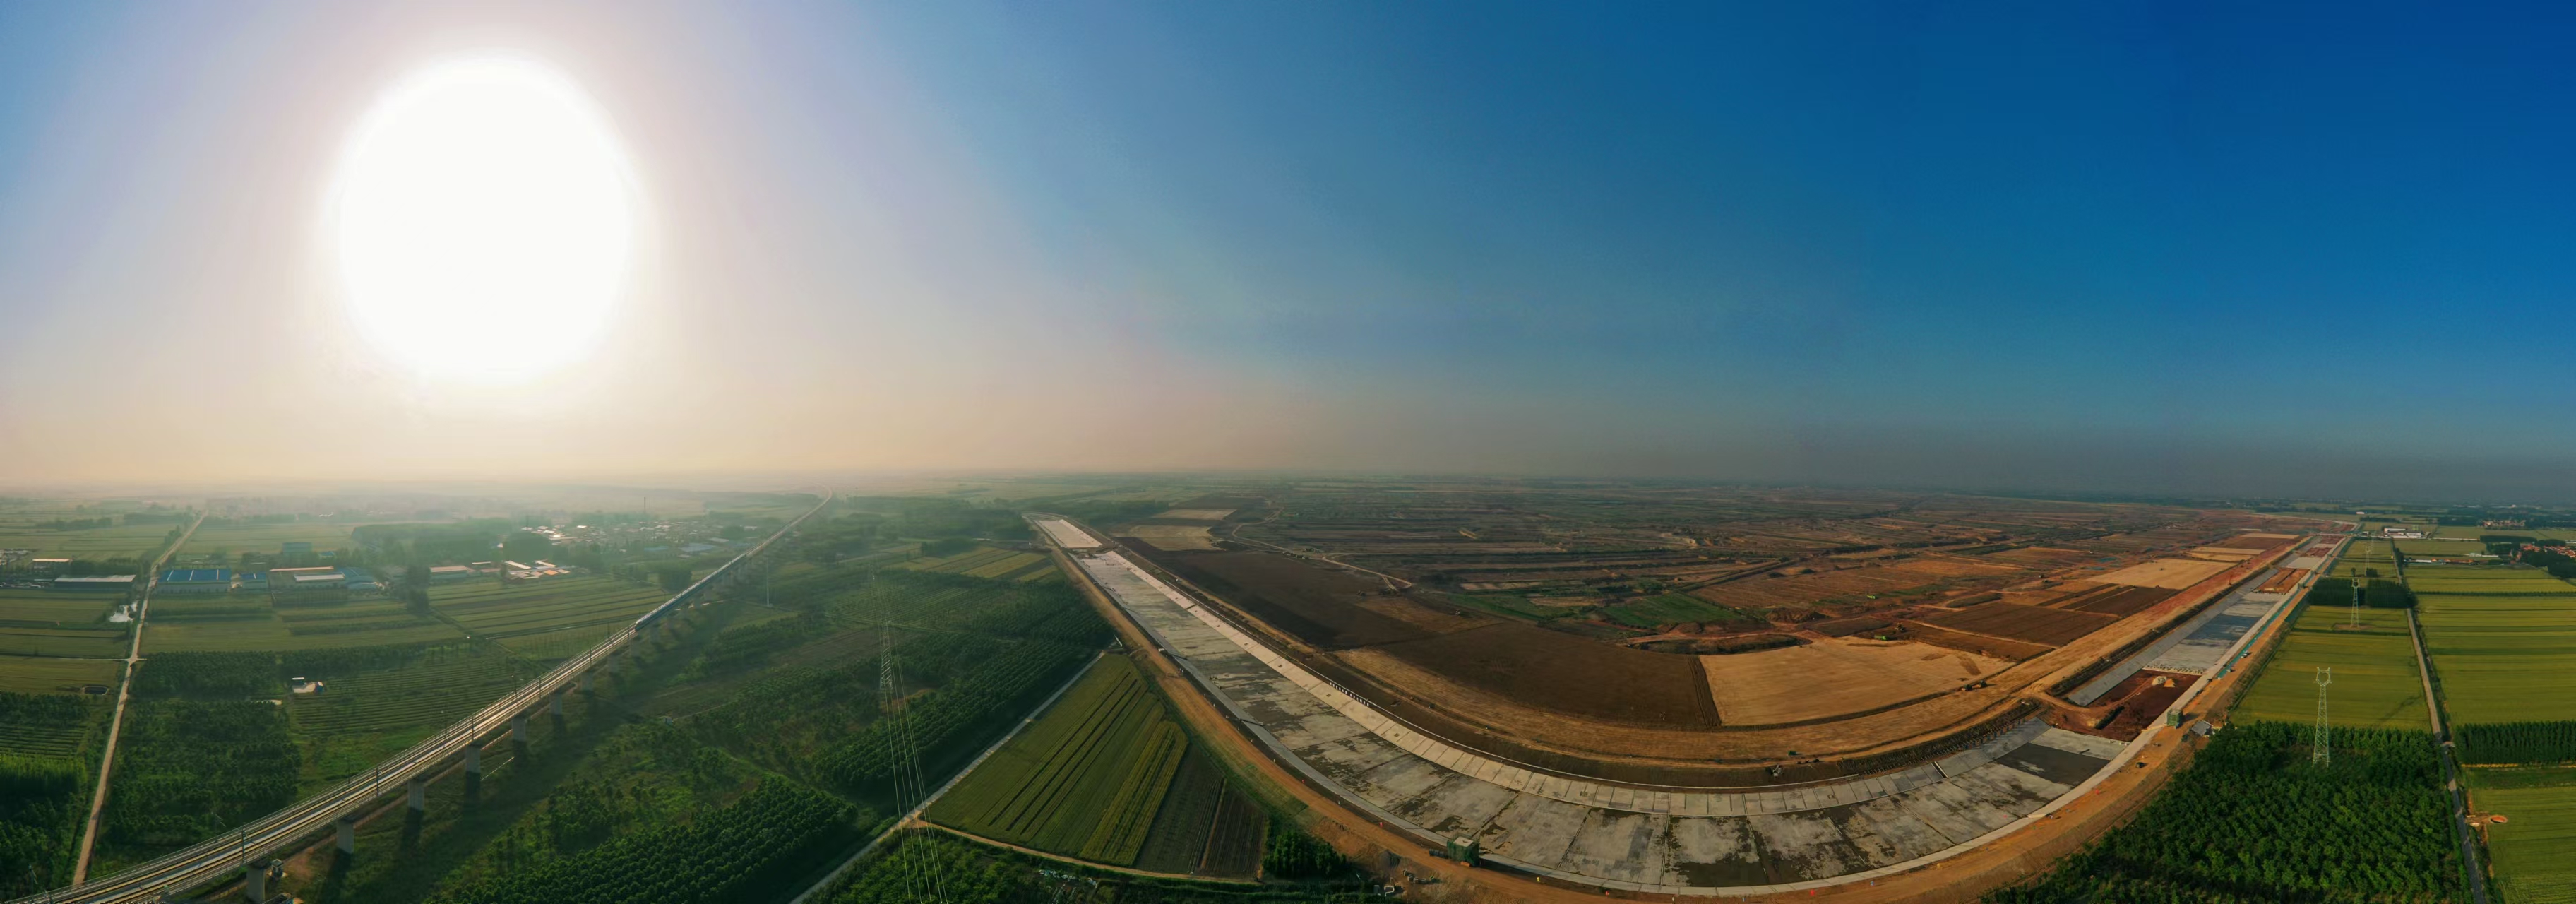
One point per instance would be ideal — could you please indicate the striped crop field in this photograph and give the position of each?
(268, 538)
(2534, 848)
(556, 609)
(124, 541)
(2503, 658)
(239, 624)
(78, 642)
(2376, 684)
(55, 609)
(987, 562)
(434, 692)
(55, 675)
(51, 725)
(1085, 780)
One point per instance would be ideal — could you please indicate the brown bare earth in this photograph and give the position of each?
(2171, 574)
(1172, 536)
(1834, 677)
(1315, 605)
(1982, 645)
(2035, 624)
(2288, 578)
(1864, 579)
(1566, 674)
(2121, 600)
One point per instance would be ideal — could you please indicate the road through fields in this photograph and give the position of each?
(133, 659)
(215, 858)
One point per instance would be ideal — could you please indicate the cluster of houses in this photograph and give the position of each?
(285, 581)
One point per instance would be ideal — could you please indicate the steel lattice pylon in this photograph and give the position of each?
(2318, 751)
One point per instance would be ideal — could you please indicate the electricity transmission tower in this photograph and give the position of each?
(2356, 605)
(2318, 753)
(920, 871)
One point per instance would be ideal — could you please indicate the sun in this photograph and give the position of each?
(483, 220)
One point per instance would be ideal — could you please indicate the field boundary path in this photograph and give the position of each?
(115, 723)
(2474, 872)
(229, 852)
(914, 816)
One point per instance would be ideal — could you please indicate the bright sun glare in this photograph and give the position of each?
(484, 218)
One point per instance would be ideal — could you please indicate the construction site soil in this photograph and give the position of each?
(1353, 619)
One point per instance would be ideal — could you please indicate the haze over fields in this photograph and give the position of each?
(2136, 247)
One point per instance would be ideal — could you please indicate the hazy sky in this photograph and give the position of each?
(2147, 246)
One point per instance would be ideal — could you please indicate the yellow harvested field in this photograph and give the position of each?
(1834, 677)
(2171, 574)
(2223, 555)
(1196, 514)
(1173, 536)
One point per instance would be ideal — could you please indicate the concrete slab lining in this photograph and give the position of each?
(1668, 841)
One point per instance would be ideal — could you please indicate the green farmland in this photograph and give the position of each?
(2376, 684)
(2503, 641)
(55, 675)
(267, 538)
(988, 562)
(247, 623)
(1101, 776)
(2486, 581)
(78, 642)
(547, 619)
(375, 707)
(2362, 557)
(57, 609)
(2533, 851)
(124, 541)
(2503, 658)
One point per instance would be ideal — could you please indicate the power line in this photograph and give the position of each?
(2319, 753)
(915, 862)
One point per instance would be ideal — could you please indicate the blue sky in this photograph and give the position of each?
(2125, 246)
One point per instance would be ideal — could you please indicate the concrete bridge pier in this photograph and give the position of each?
(519, 728)
(418, 798)
(255, 878)
(585, 680)
(348, 824)
(474, 758)
(554, 703)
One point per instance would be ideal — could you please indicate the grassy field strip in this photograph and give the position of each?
(2376, 682)
(2503, 641)
(1086, 780)
(1121, 832)
(2532, 848)
(824, 884)
(49, 674)
(2503, 659)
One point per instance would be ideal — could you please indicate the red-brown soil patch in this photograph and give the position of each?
(2283, 581)
(1846, 627)
(1567, 674)
(1320, 606)
(1979, 644)
(2125, 600)
(2030, 623)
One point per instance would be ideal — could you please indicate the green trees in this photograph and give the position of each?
(47, 743)
(952, 715)
(233, 675)
(2252, 820)
(2518, 743)
(755, 849)
(674, 578)
(190, 769)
